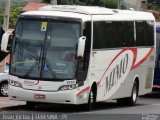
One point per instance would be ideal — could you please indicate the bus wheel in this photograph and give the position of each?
(130, 101)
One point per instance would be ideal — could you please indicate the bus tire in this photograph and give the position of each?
(133, 99)
(130, 101)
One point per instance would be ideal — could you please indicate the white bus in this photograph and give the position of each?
(81, 54)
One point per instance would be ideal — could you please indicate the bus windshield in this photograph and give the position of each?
(45, 49)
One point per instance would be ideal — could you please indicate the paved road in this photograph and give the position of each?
(147, 107)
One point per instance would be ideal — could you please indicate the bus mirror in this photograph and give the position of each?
(81, 46)
(4, 42)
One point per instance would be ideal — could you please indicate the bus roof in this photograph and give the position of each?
(84, 13)
(90, 10)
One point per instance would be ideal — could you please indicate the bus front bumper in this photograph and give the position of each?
(59, 97)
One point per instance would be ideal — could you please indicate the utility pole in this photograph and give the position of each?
(6, 15)
(119, 4)
(53, 2)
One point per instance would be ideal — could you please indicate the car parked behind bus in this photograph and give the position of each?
(4, 83)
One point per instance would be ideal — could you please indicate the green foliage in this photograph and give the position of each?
(14, 13)
(1, 15)
(110, 3)
(46, 1)
(104, 3)
(153, 4)
(69, 2)
(1, 18)
(16, 9)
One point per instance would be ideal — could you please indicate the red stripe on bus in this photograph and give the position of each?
(156, 86)
(144, 59)
(83, 90)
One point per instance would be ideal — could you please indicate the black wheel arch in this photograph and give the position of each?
(3, 81)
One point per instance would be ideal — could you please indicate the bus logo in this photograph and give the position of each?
(117, 72)
(30, 82)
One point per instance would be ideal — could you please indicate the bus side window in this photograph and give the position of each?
(129, 34)
(124, 32)
(100, 36)
(87, 33)
(144, 33)
(84, 62)
(113, 34)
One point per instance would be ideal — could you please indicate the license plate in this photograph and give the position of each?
(39, 96)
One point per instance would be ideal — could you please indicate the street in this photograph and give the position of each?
(146, 106)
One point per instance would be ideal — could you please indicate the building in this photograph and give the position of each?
(135, 4)
(33, 6)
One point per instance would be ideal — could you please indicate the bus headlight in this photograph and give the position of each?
(67, 87)
(15, 83)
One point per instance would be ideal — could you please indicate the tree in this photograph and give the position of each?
(1, 18)
(14, 13)
(110, 3)
(46, 1)
(104, 3)
(15, 10)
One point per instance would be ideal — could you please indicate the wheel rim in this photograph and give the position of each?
(91, 99)
(134, 96)
(4, 89)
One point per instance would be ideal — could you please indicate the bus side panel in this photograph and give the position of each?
(116, 70)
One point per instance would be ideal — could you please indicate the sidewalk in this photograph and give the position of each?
(5, 102)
